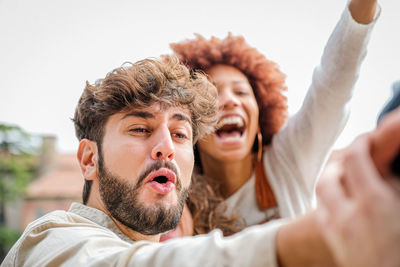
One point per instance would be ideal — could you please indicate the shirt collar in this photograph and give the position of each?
(98, 217)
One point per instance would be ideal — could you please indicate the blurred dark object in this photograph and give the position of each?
(393, 103)
(396, 165)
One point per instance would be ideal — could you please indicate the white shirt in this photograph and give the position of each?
(85, 236)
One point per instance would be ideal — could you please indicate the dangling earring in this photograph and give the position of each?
(260, 146)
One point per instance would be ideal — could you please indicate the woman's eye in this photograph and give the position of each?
(242, 92)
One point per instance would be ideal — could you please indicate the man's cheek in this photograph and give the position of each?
(187, 176)
(186, 170)
(186, 160)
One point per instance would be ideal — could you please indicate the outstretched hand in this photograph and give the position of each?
(359, 211)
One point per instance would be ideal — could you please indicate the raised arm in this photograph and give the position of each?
(302, 146)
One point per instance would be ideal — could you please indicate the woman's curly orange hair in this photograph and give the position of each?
(267, 81)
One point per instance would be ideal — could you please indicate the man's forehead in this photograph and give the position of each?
(155, 110)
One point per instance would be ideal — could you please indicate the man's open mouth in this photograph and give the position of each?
(232, 126)
(162, 180)
(162, 176)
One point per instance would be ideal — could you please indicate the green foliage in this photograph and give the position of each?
(14, 140)
(8, 237)
(16, 171)
(17, 167)
(17, 161)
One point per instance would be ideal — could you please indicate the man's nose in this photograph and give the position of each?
(164, 148)
(227, 99)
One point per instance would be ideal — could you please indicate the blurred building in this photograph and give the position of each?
(59, 183)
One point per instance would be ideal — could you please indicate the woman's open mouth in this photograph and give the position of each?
(230, 128)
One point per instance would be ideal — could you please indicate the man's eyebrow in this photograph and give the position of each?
(140, 114)
(181, 117)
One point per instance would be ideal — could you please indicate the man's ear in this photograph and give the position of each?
(87, 158)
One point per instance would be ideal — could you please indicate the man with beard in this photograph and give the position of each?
(137, 127)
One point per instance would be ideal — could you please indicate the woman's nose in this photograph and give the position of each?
(227, 99)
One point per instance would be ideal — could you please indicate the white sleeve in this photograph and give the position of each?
(85, 245)
(254, 246)
(299, 150)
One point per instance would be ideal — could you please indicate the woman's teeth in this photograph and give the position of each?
(234, 120)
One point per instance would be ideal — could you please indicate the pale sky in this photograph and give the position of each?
(49, 48)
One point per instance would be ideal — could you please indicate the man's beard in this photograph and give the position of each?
(121, 200)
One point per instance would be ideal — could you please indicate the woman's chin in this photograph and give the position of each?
(232, 155)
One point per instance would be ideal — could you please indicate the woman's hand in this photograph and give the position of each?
(363, 11)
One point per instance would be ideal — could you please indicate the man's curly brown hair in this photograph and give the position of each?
(264, 76)
(165, 81)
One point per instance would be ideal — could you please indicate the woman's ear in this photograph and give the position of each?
(87, 158)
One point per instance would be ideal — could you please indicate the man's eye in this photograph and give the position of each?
(139, 130)
(179, 135)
